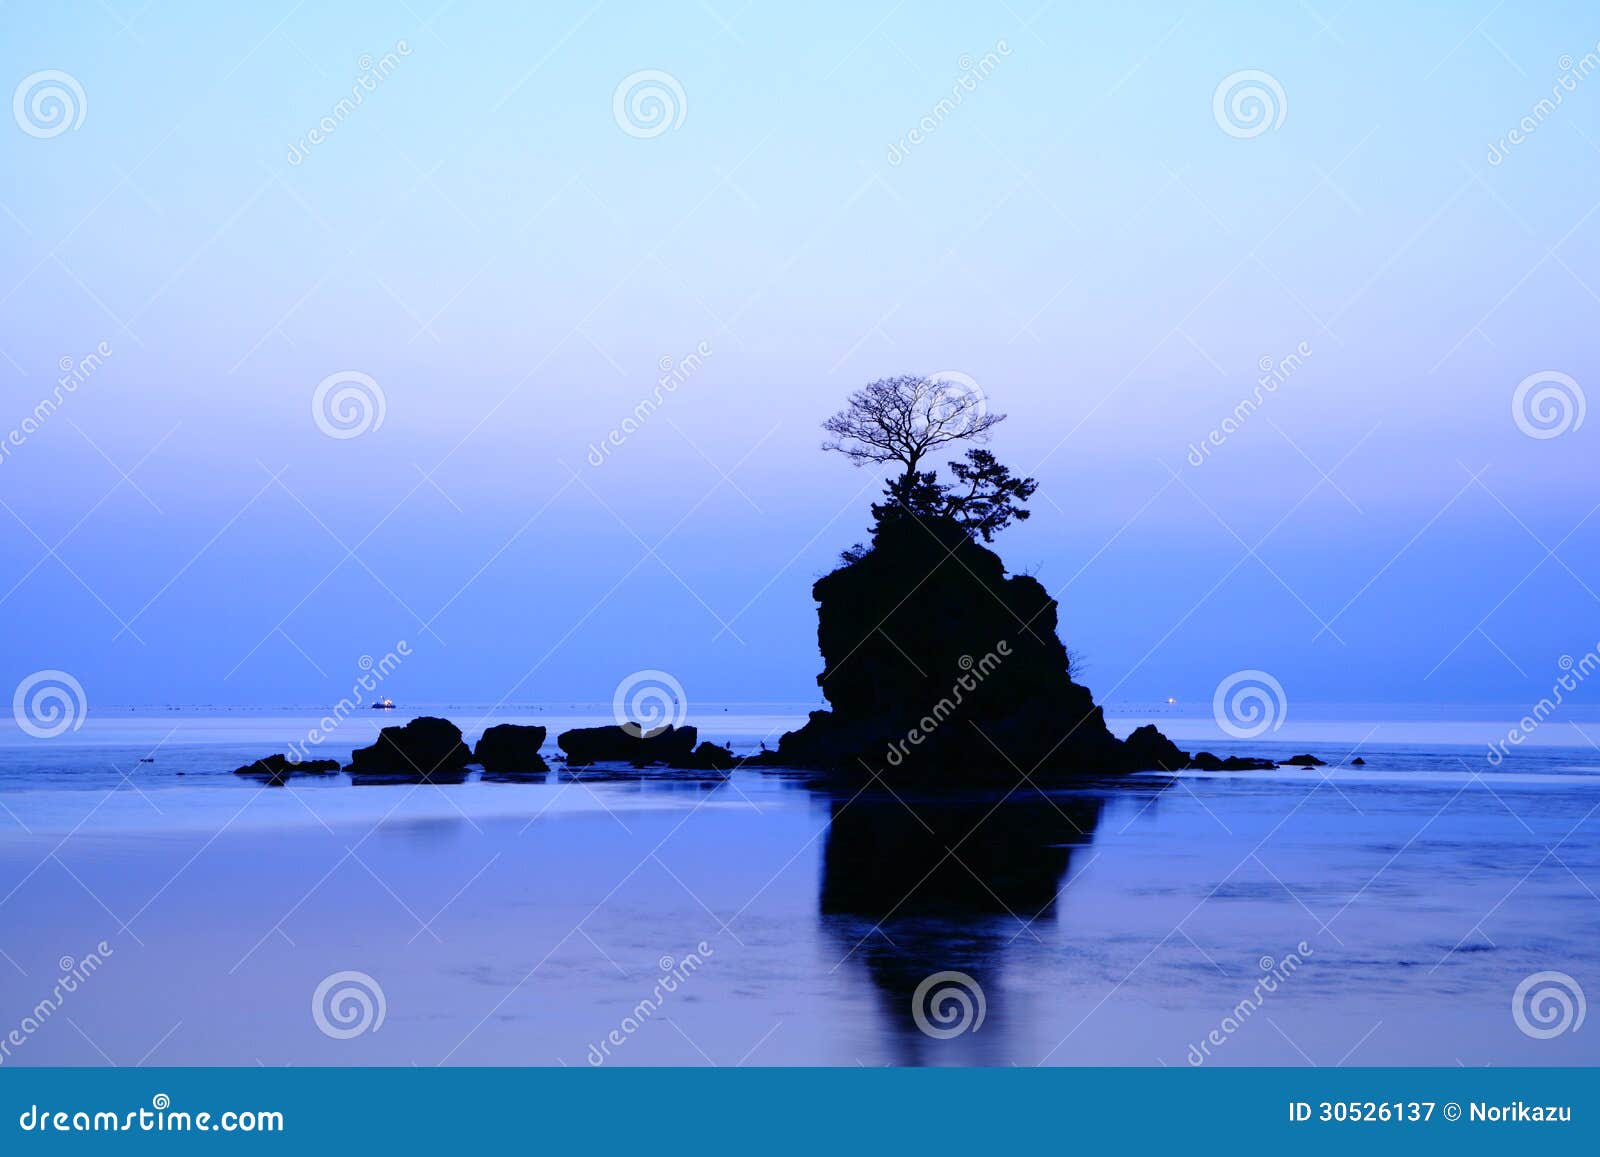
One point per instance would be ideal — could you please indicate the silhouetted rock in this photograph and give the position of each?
(612, 744)
(713, 757)
(1304, 761)
(428, 748)
(1148, 750)
(1205, 761)
(510, 747)
(277, 768)
(942, 668)
(1358, 762)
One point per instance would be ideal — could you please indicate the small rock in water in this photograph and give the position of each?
(277, 768)
(508, 747)
(428, 748)
(627, 745)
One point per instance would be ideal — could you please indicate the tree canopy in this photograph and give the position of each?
(900, 420)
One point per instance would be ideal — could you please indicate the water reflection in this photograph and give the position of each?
(917, 886)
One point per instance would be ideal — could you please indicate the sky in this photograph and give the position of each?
(1062, 204)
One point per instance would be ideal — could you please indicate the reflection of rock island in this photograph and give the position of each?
(945, 889)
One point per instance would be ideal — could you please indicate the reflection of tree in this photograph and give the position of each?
(930, 885)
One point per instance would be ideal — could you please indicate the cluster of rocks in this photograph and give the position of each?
(431, 750)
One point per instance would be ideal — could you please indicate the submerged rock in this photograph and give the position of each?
(277, 768)
(428, 748)
(671, 745)
(511, 747)
(942, 667)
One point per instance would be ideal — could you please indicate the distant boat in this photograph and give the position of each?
(383, 705)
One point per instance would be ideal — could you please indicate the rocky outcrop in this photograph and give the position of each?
(713, 757)
(1205, 761)
(1146, 749)
(1304, 761)
(428, 749)
(939, 666)
(672, 747)
(612, 744)
(510, 748)
(276, 769)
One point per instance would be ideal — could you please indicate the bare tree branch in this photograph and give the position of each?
(901, 419)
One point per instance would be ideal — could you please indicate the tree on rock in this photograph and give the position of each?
(983, 500)
(903, 419)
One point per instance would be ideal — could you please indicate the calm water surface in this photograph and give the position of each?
(533, 922)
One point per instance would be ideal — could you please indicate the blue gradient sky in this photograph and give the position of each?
(1079, 236)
